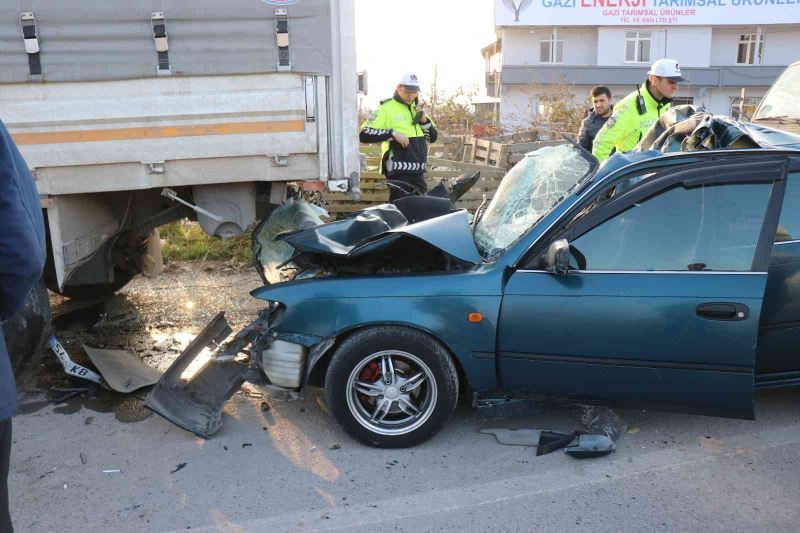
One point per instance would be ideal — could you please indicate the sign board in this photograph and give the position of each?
(645, 12)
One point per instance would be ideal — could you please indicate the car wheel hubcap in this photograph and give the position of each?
(391, 392)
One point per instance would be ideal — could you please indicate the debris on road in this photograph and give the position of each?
(112, 471)
(599, 431)
(83, 458)
(117, 320)
(178, 468)
(121, 370)
(513, 436)
(61, 395)
(70, 367)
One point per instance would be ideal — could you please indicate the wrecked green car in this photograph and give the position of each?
(665, 278)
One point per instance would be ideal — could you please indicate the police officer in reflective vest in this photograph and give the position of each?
(404, 133)
(638, 111)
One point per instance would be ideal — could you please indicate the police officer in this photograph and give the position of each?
(404, 133)
(638, 111)
(22, 255)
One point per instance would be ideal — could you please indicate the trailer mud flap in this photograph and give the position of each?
(194, 400)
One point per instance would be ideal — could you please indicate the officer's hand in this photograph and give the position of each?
(423, 116)
(401, 138)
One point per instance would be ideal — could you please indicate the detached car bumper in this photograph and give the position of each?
(193, 391)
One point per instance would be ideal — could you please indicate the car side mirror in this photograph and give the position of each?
(556, 259)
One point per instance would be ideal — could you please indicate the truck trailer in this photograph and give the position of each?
(132, 115)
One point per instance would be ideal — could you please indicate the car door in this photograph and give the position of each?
(662, 303)
(777, 361)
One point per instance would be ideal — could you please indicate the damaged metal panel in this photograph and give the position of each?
(121, 370)
(377, 229)
(344, 236)
(194, 400)
(688, 128)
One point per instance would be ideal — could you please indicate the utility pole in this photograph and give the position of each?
(435, 82)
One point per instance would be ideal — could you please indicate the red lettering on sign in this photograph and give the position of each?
(613, 3)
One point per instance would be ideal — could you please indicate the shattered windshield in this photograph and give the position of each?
(527, 193)
(783, 99)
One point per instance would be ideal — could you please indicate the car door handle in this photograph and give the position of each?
(722, 311)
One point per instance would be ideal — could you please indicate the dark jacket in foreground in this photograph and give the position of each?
(589, 128)
(22, 250)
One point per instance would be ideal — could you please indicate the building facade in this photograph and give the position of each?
(722, 46)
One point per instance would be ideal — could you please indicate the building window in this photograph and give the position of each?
(551, 48)
(637, 46)
(682, 100)
(748, 106)
(751, 46)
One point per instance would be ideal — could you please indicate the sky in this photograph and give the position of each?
(396, 36)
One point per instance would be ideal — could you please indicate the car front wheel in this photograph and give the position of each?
(391, 386)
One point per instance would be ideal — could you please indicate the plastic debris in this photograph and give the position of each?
(599, 430)
(121, 370)
(70, 367)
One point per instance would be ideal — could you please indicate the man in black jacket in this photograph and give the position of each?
(597, 117)
(22, 255)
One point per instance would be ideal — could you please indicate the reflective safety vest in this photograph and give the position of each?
(395, 115)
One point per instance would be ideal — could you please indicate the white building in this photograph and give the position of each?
(722, 46)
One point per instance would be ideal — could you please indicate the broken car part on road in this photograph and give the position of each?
(597, 435)
(119, 369)
(70, 367)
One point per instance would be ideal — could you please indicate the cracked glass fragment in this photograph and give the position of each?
(528, 192)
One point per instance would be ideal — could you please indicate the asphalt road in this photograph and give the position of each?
(290, 468)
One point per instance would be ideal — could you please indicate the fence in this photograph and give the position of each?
(502, 151)
(449, 157)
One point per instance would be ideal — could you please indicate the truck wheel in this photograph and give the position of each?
(391, 386)
(26, 332)
(99, 290)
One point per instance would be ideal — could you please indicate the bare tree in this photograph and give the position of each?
(550, 107)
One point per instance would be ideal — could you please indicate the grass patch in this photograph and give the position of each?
(186, 241)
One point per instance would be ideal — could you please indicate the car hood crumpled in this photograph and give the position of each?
(378, 228)
(687, 128)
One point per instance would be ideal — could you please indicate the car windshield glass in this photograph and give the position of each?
(527, 193)
(783, 99)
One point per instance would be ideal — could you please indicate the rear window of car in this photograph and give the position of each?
(789, 225)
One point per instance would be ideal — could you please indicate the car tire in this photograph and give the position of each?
(26, 332)
(354, 389)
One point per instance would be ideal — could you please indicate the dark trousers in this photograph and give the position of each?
(5, 462)
(412, 184)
